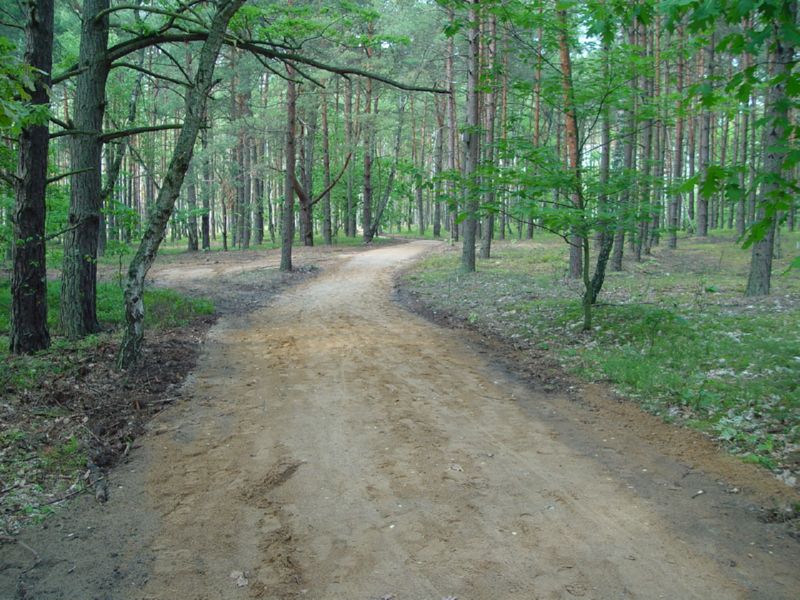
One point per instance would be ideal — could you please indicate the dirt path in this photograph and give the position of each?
(338, 447)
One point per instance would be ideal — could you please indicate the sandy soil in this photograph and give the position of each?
(335, 446)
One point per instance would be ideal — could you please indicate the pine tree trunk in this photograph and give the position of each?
(307, 176)
(350, 213)
(705, 145)
(438, 162)
(29, 331)
(79, 274)
(470, 223)
(369, 139)
(774, 154)
(576, 264)
(606, 232)
(247, 192)
(674, 213)
(258, 182)
(490, 118)
(287, 231)
(191, 201)
(208, 191)
(327, 226)
(452, 136)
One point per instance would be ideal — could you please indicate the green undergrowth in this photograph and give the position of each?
(164, 309)
(673, 332)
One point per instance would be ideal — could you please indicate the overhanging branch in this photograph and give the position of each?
(122, 49)
(113, 135)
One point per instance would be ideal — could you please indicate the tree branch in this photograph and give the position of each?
(128, 46)
(58, 134)
(148, 9)
(113, 135)
(11, 179)
(65, 175)
(334, 182)
(149, 73)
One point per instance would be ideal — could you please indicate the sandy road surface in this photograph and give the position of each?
(338, 447)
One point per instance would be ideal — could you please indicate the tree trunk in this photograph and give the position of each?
(606, 232)
(28, 249)
(327, 233)
(307, 176)
(452, 136)
(79, 275)
(490, 118)
(705, 144)
(576, 266)
(579, 239)
(350, 213)
(438, 161)
(191, 201)
(287, 231)
(369, 140)
(473, 141)
(646, 202)
(196, 98)
(207, 192)
(774, 155)
(247, 191)
(674, 213)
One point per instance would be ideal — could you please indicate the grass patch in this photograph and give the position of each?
(673, 332)
(164, 308)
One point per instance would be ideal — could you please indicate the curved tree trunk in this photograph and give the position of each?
(196, 98)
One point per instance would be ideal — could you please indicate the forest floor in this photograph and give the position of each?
(334, 445)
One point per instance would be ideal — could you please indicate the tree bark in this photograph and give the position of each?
(470, 222)
(438, 161)
(369, 141)
(196, 98)
(191, 202)
(452, 136)
(775, 150)
(327, 232)
(487, 231)
(705, 144)
(287, 231)
(307, 175)
(258, 183)
(208, 191)
(579, 238)
(576, 265)
(29, 331)
(606, 234)
(350, 212)
(79, 274)
(674, 213)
